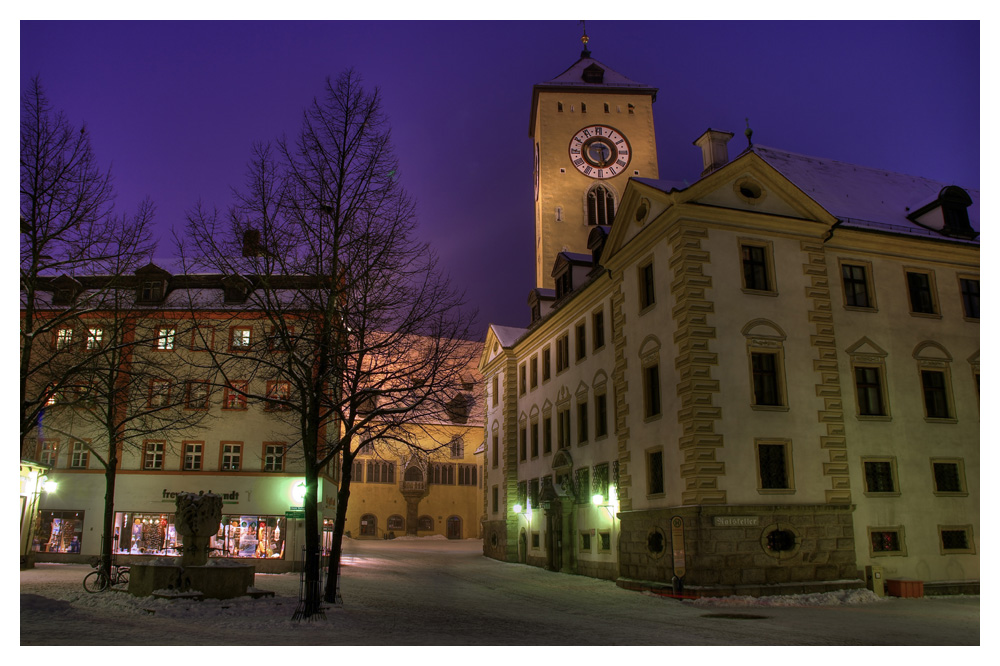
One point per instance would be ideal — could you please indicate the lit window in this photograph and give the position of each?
(234, 397)
(64, 338)
(240, 339)
(95, 337)
(165, 338)
(279, 392)
(886, 541)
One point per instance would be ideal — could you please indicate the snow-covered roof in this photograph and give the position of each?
(859, 195)
(574, 76)
(508, 335)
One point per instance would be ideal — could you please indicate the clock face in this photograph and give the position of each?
(600, 151)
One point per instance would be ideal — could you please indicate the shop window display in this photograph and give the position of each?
(59, 532)
(238, 536)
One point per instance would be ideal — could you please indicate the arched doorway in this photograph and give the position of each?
(369, 525)
(454, 527)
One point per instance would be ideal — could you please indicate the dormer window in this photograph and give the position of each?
(593, 74)
(948, 214)
(564, 283)
(151, 291)
(235, 289)
(151, 284)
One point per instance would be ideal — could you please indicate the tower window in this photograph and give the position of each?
(631, 109)
(607, 109)
(600, 206)
(583, 107)
(559, 104)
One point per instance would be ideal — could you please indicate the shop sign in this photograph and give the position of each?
(735, 521)
(295, 512)
(232, 497)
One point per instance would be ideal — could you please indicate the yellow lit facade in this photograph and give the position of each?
(770, 376)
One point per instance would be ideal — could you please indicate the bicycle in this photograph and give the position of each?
(99, 581)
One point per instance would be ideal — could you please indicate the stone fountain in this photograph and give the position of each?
(197, 520)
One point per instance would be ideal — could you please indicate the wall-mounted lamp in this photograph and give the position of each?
(48, 485)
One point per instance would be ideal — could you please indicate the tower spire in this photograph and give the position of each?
(586, 52)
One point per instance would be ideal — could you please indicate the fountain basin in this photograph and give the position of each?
(217, 579)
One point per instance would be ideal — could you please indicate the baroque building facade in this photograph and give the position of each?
(765, 381)
(241, 448)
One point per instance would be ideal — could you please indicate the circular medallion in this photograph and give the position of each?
(599, 151)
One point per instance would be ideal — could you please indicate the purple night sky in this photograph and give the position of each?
(173, 107)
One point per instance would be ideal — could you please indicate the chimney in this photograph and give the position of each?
(713, 149)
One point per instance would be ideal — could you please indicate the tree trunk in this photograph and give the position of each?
(108, 535)
(312, 589)
(339, 524)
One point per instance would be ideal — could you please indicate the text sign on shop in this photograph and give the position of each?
(295, 512)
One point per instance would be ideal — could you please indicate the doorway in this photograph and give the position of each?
(454, 527)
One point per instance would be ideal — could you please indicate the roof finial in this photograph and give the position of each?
(586, 52)
(749, 133)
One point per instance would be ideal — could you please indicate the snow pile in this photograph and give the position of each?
(836, 598)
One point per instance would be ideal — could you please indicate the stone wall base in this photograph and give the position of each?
(696, 591)
(739, 547)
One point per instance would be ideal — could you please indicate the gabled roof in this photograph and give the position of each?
(858, 196)
(862, 196)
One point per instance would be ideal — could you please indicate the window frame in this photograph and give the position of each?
(79, 455)
(959, 463)
(966, 297)
(233, 330)
(197, 333)
(789, 471)
(581, 341)
(900, 539)
(931, 287)
(652, 393)
(194, 449)
(533, 373)
(582, 422)
(95, 338)
(970, 549)
(868, 283)
(562, 353)
(271, 452)
(646, 285)
(62, 338)
(206, 403)
(597, 324)
(237, 452)
(767, 252)
(150, 449)
(878, 365)
(893, 476)
(651, 492)
(546, 364)
(943, 391)
(230, 392)
(165, 338)
(162, 399)
(278, 390)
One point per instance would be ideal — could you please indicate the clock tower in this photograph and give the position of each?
(592, 130)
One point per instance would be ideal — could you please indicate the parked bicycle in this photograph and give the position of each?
(99, 581)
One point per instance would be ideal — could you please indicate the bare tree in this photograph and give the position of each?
(366, 338)
(84, 373)
(67, 224)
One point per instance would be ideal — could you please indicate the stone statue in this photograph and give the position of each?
(197, 520)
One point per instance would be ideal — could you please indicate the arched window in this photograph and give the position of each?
(395, 522)
(600, 206)
(425, 523)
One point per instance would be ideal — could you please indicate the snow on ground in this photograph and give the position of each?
(427, 591)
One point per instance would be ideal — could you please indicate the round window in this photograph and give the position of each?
(656, 542)
(780, 540)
